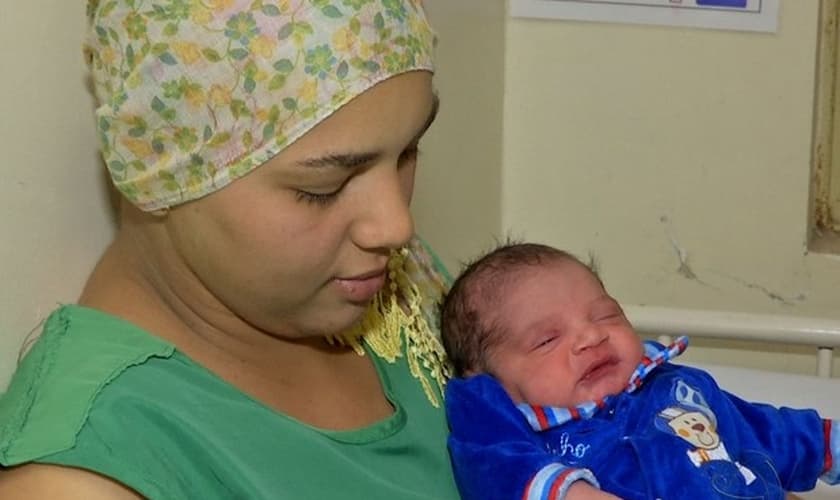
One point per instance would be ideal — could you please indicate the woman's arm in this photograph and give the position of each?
(30, 481)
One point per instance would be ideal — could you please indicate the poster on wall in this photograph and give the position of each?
(747, 15)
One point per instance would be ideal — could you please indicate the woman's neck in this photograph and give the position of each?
(284, 374)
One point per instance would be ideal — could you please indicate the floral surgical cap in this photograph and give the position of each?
(194, 94)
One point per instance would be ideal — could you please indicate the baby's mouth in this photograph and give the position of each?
(598, 369)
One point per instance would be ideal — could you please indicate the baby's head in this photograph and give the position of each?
(540, 321)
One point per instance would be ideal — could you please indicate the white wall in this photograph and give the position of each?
(679, 157)
(54, 217)
(458, 193)
(635, 141)
(642, 144)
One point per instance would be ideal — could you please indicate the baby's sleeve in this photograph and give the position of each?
(801, 443)
(495, 455)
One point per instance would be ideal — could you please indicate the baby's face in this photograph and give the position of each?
(566, 340)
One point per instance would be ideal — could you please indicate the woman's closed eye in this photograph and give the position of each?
(407, 158)
(320, 199)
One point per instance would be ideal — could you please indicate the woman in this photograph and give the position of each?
(260, 326)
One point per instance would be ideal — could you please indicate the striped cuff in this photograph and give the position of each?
(552, 482)
(831, 461)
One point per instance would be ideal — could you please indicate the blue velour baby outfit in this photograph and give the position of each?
(673, 434)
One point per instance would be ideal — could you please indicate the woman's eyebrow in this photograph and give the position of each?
(348, 160)
(356, 160)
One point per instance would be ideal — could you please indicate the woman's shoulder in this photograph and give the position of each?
(98, 394)
(79, 352)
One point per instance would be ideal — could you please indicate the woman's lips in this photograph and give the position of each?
(362, 288)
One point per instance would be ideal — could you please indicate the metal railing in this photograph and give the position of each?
(821, 333)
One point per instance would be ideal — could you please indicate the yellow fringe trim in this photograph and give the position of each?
(396, 317)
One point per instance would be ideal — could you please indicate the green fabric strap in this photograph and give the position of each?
(55, 372)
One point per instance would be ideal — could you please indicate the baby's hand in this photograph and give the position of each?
(581, 490)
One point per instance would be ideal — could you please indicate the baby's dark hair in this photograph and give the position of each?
(468, 329)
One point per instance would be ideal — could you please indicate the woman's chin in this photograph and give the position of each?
(346, 320)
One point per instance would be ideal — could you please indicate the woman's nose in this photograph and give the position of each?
(385, 221)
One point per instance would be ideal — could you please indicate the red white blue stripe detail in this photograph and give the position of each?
(541, 418)
(831, 464)
(553, 482)
(654, 356)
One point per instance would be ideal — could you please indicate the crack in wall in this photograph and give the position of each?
(772, 295)
(686, 271)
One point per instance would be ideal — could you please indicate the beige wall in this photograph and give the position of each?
(679, 157)
(458, 196)
(54, 219)
(641, 143)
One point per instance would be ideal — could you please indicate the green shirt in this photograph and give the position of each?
(98, 393)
